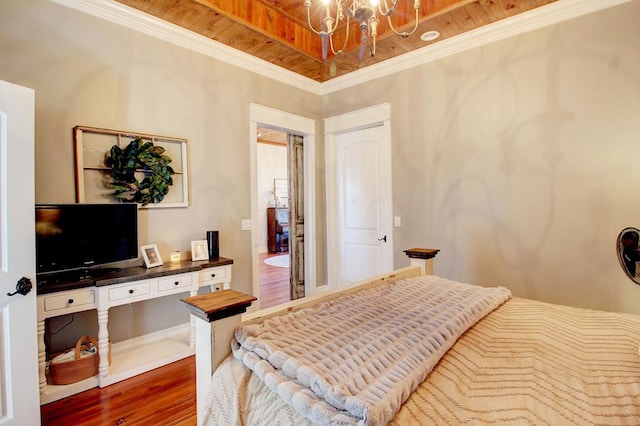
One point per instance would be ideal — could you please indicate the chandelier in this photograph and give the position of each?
(363, 11)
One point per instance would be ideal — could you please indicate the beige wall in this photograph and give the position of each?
(520, 159)
(517, 159)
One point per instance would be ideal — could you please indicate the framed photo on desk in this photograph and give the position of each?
(151, 255)
(199, 250)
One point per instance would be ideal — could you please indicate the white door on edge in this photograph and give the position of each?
(19, 395)
(364, 212)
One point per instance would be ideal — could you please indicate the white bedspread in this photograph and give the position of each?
(356, 359)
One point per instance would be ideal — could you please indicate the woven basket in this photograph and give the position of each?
(79, 368)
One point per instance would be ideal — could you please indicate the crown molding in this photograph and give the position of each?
(543, 16)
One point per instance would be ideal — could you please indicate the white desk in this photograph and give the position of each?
(140, 354)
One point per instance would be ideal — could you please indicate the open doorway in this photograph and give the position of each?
(300, 133)
(273, 217)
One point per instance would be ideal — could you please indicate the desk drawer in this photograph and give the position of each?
(68, 300)
(168, 284)
(130, 290)
(212, 275)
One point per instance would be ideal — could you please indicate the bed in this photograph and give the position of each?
(409, 348)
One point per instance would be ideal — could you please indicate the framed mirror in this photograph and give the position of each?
(629, 253)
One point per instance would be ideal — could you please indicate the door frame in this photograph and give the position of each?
(306, 127)
(377, 115)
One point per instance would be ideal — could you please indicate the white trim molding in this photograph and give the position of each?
(540, 17)
(306, 127)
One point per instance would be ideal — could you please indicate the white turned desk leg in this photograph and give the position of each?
(103, 344)
(42, 357)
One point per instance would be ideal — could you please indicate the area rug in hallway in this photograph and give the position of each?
(280, 261)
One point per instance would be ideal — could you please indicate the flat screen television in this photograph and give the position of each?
(81, 237)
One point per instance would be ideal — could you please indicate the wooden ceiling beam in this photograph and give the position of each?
(270, 22)
(429, 9)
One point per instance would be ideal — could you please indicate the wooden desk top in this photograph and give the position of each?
(51, 283)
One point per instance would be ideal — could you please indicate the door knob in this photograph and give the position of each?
(23, 287)
(383, 239)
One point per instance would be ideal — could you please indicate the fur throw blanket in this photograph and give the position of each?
(357, 358)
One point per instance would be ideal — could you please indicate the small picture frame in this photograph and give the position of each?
(199, 250)
(151, 255)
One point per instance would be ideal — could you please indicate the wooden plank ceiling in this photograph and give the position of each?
(277, 31)
(271, 136)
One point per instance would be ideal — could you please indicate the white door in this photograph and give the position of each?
(19, 396)
(363, 177)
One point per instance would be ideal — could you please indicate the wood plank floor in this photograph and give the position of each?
(274, 282)
(164, 396)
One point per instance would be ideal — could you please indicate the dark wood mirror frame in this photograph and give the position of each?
(629, 252)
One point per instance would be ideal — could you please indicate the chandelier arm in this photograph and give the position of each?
(405, 34)
(344, 45)
(327, 20)
(373, 30)
(363, 12)
(320, 33)
(388, 11)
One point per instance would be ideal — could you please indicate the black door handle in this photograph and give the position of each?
(23, 287)
(383, 239)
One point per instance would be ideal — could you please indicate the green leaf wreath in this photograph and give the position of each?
(140, 156)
